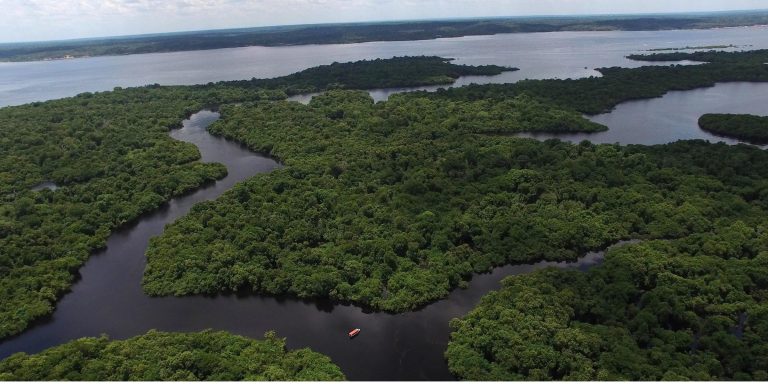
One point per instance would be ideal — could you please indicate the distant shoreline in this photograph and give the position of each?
(324, 34)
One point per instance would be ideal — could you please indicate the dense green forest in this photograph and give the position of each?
(113, 160)
(690, 48)
(110, 155)
(695, 308)
(749, 128)
(758, 56)
(378, 73)
(595, 95)
(392, 205)
(160, 356)
(363, 32)
(381, 204)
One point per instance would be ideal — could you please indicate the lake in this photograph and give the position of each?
(538, 55)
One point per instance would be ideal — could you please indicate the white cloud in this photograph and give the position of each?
(24, 20)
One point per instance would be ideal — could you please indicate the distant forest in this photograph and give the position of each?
(750, 128)
(364, 32)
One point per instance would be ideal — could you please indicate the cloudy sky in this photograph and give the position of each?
(29, 20)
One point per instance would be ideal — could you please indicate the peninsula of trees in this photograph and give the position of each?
(364, 32)
(391, 205)
(758, 56)
(749, 128)
(161, 356)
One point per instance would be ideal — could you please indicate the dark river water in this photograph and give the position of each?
(108, 298)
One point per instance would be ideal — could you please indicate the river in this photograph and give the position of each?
(108, 299)
(538, 55)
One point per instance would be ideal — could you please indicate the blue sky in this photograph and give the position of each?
(29, 20)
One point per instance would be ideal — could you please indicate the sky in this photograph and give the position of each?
(33, 20)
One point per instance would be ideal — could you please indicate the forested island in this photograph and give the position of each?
(757, 56)
(749, 128)
(365, 32)
(391, 205)
(161, 356)
(596, 95)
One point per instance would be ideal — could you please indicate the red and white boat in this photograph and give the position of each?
(354, 332)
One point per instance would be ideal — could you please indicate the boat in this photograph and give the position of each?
(354, 332)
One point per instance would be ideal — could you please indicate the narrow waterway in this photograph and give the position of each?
(108, 298)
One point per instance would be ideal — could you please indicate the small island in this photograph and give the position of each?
(757, 56)
(750, 128)
(690, 48)
(162, 356)
(122, 163)
(391, 206)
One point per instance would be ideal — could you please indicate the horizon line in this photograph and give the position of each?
(385, 21)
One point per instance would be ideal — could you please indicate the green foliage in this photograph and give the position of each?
(744, 127)
(758, 56)
(391, 205)
(113, 160)
(160, 356)
(690, 48)
(378, 73)
(688, 309)
(111, 156)
(363, 32)
(595, 95)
